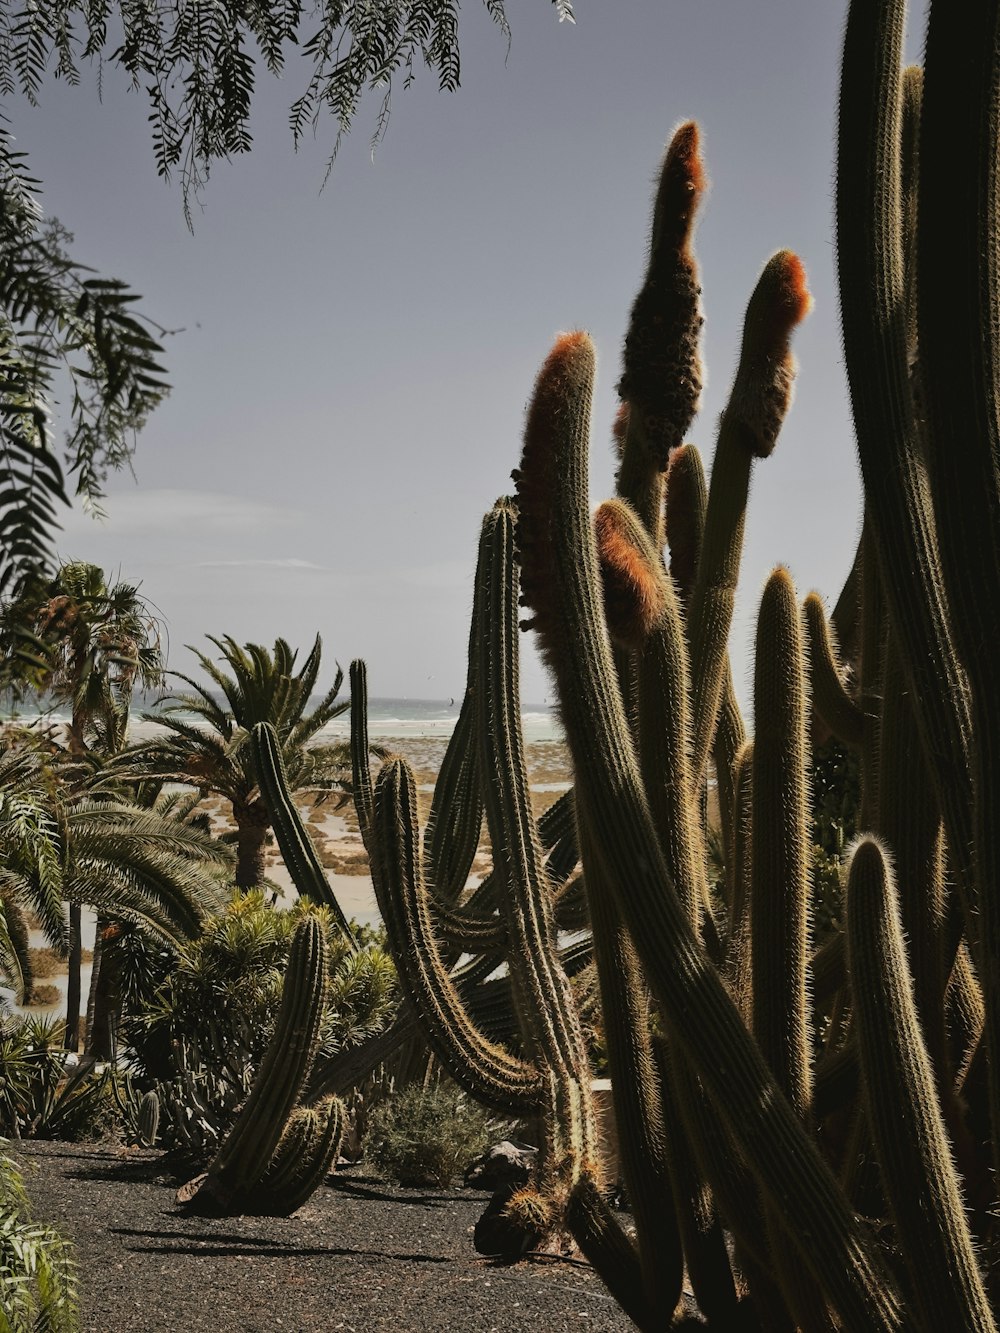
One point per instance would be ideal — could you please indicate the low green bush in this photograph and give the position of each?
(427, 1136)
(43, 1093)
(37, 1273)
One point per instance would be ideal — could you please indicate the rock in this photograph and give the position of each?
(504, 1165)
(498, 1236)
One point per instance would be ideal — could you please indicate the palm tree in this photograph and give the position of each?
(211, 750)
(77, 839)
(93, 643)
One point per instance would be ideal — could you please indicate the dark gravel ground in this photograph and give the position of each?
(361, 1255)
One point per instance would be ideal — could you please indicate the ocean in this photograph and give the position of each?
(403, 718)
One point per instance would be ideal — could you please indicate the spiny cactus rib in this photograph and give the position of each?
(550, 1025)
(872, 301)
(244, 1157)
(737, 972)
(830, 697)
(560, 580)
(635, 1086)
(749, 428)
(706, 1257)
(148, 1119)
(909, 819)
(686, 505)
(297, 849)
(780, 890)
(487, 1072)
(918, 1173)
(781, 856)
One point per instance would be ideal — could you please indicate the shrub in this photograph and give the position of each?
(426, 1136)
(44, 1094)
(37, 1272)
(199, 1042)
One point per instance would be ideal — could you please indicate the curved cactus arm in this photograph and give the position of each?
(488, 1072)
(303, 1159)
(550, 1023)
(559, 577)
(244, 1157)
(918, 1173)
(454, 824)
(297, 848)
(466, 932)
(897, 491)
(749, 429)
(909, 819)
(830, 697)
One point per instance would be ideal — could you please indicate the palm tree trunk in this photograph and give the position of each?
(72, 1041)
(252, 824)
(104, 1005)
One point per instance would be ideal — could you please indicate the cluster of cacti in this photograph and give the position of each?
(827, 1107)
(511, 917)
(278, 1152)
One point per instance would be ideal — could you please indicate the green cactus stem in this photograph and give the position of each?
(918, 1173)
(303, 1159)
(243, 1159)
(960, 122)
(297, 848)
(487, 1071)
(662, 375)
(781, 859)
(897, 494)
(559, 578)
(830, 696)
(749, 428)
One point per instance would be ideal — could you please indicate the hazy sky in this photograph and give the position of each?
(353, 366)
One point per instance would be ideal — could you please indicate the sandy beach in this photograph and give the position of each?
(333, 825)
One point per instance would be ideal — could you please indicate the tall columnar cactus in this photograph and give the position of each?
(768, 1083)
(511, 916)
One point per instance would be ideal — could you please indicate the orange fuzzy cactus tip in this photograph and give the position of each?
(786, 297)
(633, 591)
(681, 186)
(762, 393)
(558, 411)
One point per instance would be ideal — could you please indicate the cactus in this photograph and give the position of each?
(797, 1087)
(236, 1180)
(297, 848)
(148, 1119)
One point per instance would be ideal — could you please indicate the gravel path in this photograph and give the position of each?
(361, 1255)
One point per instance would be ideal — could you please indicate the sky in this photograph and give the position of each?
(351, 364)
